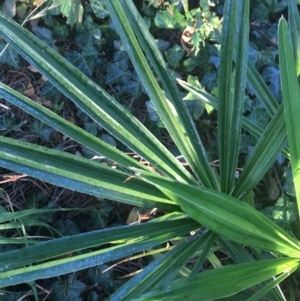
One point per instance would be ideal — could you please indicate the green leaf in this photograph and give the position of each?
(294, 25)
(227, 216)
(271, 75)
(9, 56)
(69, 290)
(170, 108)
(283, 212)
(174, 55)
(232, 88)
(87, 176)
(68, 128)
(93, 100)
(84, 61)
(161, 271)
(45, 35)
(230, 280)
(291, 96)
(99, 8)
(154, 234)
(269, 145)
(170, 19)
(73, 10)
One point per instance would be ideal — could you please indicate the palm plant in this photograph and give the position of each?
(204, 197)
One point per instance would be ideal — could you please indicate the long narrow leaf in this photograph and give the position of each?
(232, 83)
(227, 216)
(254, 129)
(67, 128)
(230, 280)
(61, 246)
(263, 156)
(83, 261)
(73, 172)
(179, 123)
(291, 96)
(93, 100)
(161, 271)
(294, 28)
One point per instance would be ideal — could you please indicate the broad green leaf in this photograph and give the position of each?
(230, 280)
(9, 56)
(92, 100)
(99, 8)
(226, 215)
(291, 96)
(232, 83)
(68, 290)
(84, 61)
(171, 108)
(73, 10)
(166, 19)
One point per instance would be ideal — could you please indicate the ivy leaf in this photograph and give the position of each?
(45, 35)
(209, 80)
(283, 213)
(117, 72)
(259, 117)
(67, 291)
(253, 55)
(73, 10)
(99, 8)
(108, 139)
(92, 127)
(164, 19)
(153, 115)
(289, 186)
(98, 277)
(9, 56)
(43, 131)
(134, 88)
(271, 75)
(174, 55)
(67, 227)
(260, 13)
(162, 45)
(194, 107)
(49, 91)
(267, 57)
(84, 61)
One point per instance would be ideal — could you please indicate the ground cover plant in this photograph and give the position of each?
(207, 208)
